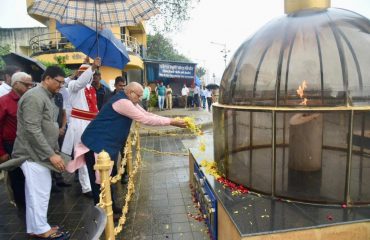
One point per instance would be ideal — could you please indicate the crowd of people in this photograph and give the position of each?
(196, 96)
(44, 126)
(190, 97)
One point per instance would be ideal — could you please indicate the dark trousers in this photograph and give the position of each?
(196, 100)
(204, 100)
(144, 102)
(95, 188)
(16, 179)
(56, 177)
(190, 102)
(209, 101)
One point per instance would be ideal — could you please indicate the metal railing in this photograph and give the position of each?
(54, 42)
(131, 159)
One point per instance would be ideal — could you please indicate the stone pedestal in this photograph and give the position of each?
(305, 142)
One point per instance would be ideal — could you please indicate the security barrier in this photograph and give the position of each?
(104, 166)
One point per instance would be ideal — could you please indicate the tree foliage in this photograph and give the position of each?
(161, 48)
(61, 62)
(173, 13)
(4, 49)
(200, 72)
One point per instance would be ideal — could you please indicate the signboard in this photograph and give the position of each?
(168, 70)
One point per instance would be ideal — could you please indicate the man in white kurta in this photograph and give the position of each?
(82, 97)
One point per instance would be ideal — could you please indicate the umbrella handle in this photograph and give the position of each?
(96, 29)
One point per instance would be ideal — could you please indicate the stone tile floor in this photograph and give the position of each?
(158, 210)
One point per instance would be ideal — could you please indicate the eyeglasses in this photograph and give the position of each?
(139, 96)
(27, 85)
(61, 83)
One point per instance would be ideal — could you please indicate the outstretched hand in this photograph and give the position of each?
(178, 122)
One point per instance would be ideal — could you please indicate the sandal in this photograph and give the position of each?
(54, 227)
(58, 235)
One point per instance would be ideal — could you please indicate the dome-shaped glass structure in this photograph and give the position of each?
(293, 118)
(328, 49)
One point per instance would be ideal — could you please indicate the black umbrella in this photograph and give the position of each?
(212, 86)
(27, 64)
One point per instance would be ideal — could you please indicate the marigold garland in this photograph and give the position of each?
(130, 184)
(211, 169)
(190, 124)
(161, 133)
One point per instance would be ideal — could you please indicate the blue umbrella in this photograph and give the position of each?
(104, 44)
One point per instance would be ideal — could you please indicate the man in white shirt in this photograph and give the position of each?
(5, 88)
(209, 99)
(184, 94)
(82, 97)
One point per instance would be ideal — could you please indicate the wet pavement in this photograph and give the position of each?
(161, 208)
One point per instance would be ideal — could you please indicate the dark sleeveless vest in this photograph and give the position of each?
(109, 130)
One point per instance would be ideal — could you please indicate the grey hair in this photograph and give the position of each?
(19, 77)
(134, 86)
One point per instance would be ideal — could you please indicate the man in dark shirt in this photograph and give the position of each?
(20, 83)
(102, 92)
(119, 84)
(57, 178)
(161, 93)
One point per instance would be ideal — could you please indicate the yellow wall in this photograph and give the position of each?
(109, 74)
(71, 57)
(116, 31)
(141, 38)
(78, 57)
(135, 63)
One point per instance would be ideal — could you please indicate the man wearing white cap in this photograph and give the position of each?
(82, 97)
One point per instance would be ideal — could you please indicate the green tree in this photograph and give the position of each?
(3, 51)
(200, 72)
(61, 62)
(173, 13)
(161, 48)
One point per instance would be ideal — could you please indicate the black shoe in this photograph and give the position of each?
(75, 178)
(124, 179)
(117, 210)
(63, 184)
(88, 194)
(116, 217)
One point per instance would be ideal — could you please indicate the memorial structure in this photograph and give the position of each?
(292, 125)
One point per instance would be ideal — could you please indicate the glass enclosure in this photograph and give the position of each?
(313, 156)
(328, 50)
(293, 118)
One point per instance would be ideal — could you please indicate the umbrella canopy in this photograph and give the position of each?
(109, 12)
(27, 64)
(104, 45)
(212, 86)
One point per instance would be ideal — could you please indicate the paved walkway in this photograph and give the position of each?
(161, 207)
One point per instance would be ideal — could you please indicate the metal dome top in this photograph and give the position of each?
(308, 57)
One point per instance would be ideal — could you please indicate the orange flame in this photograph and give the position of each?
(300, 92)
